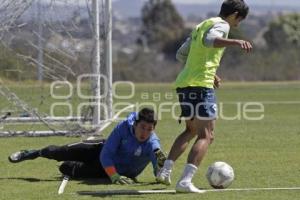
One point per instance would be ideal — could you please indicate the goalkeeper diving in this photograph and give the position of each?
(131, 146)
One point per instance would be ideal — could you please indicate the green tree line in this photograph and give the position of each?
(164, 30)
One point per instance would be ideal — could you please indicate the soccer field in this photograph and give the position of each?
(257, 133)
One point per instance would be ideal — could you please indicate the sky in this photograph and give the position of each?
(249, 2)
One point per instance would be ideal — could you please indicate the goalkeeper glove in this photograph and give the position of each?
(160, 158)
(117, 178)
(122, 180)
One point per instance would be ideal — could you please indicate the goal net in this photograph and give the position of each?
(51, 82)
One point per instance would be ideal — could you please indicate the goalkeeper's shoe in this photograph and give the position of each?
(187, 187)
(23, 155)
(164, 176)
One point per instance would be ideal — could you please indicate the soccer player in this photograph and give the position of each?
(122, 157)
(195, 89)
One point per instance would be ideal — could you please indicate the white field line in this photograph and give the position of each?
(133, 192)
(262, 102)
(252, 189)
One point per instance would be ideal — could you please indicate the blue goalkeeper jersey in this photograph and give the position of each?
(123, 151)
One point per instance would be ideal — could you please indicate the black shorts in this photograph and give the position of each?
(197, 102)
(80, 160)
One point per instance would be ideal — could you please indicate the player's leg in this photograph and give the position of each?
(187, 99)
(23, 155)
(204, 122)
(82, 170)
(72, 152)
(196, 155)
(204, 139)
(182, 141)
(178, 147)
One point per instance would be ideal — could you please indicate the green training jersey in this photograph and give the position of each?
(202, 61)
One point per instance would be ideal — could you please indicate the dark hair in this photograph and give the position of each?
(231, 6)
(147, 115)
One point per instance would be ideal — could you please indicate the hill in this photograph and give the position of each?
(132, 8)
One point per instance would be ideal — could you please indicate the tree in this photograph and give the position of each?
(284, 32)
(161, 23)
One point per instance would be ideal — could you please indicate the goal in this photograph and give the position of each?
(57, 67)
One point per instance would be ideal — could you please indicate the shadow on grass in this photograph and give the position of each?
(28, 179)
(85, 181)
(107, 193)
(136, 193)
(93, 181)
(106, 181)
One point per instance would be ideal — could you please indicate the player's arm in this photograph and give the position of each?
(183, 51)
(222, 42)
(217, 81)
(216, 37)
(107, 154)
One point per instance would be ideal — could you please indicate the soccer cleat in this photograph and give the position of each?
(164, 176)
(23, 155)
(187, 187)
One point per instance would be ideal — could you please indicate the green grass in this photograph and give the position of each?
(263, 153)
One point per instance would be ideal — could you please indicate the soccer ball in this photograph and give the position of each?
(220, 175)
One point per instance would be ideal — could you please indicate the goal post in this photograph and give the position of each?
(96, 63)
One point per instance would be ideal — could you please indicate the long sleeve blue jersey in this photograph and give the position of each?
(123, 151)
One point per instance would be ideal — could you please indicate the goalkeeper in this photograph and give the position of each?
(131, 146)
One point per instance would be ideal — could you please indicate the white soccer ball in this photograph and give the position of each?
(220, 175)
